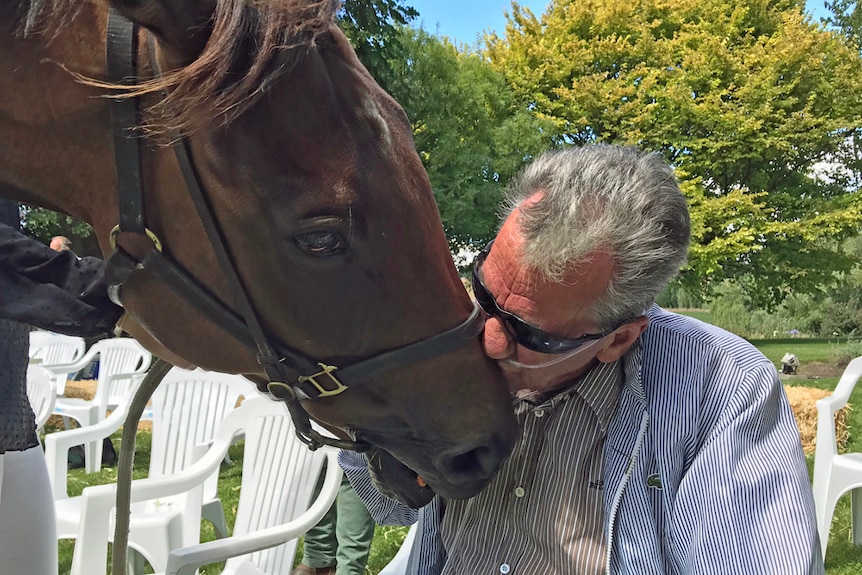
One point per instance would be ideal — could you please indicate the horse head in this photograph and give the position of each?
(313, 180)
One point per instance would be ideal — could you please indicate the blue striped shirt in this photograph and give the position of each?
(703, 468)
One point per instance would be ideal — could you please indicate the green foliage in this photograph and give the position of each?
(678, 295)
(842, 354)
(743, 98)
(846, 16)
(43, 224)
(468, 130)
(372, 27)
(387, 541)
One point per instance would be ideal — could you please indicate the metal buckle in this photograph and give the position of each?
(280, 391)
(153, 238)
(327, 370)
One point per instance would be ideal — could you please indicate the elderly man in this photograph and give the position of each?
(650, 442)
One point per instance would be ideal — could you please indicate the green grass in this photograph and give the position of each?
(806, 349)
(701, 314)
(842, 557)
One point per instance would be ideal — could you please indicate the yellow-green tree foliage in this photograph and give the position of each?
(744, 98)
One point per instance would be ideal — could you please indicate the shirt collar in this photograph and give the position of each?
(599, 388)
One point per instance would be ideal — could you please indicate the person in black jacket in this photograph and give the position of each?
(59, 292)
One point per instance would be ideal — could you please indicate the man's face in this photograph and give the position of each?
(560, 309)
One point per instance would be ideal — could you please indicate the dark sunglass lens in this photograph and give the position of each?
(526, 336)
(483, 298)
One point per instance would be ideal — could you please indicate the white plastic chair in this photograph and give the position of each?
(50, 350)
(41, 393)
(276, 502)
(834, 474)
(187, 408)
(123, 362)
(398, 564)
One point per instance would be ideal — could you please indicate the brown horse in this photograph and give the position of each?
(312, 177)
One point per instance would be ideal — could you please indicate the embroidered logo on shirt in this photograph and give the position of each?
(598, 484)
(654, 481)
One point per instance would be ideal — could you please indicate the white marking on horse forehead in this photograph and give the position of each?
(372, 111)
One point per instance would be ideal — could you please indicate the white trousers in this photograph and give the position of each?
(28, 530)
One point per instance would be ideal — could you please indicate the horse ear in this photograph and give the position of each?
(182, 27)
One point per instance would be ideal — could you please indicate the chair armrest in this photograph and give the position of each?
(186, 560)
(164, 486)
(829, 406)
(77, 365)
(826, 444)
(845, 386)
(57, 447)
(99, 501)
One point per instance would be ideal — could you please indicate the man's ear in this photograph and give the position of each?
(182, 27)
(624, 337)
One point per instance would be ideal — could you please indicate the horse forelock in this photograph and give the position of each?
(252, 43)
(41, 16)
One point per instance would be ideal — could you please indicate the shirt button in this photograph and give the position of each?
(504, 568)
(519, 491)
(539, 413)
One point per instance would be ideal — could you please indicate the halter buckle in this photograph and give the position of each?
(325, 371)
(115, 232)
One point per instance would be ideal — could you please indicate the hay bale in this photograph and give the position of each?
(81, 389)
(802, 402)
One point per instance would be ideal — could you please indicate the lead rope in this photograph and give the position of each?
(119, 554)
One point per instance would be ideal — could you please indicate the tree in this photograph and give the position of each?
(846, 16)
(373, 29)
(744, 99)
(469, 132)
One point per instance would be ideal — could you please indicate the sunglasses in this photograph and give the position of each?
(525, 334)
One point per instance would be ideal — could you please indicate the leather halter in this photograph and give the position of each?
(316, 378)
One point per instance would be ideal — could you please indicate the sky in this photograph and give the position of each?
(464, 20)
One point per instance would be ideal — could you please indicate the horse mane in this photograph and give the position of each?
(251, 44)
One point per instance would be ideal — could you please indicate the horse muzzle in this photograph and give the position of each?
(455, 475)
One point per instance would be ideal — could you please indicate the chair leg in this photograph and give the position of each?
(824, 519)
(856, 516)
(93, 450)
(213, 512)
(135, 562)
(93, 456)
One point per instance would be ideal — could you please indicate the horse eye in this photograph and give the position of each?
(321, 243)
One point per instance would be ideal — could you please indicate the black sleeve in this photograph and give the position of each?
(53, 290)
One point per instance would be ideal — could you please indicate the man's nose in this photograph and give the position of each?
(496, 340)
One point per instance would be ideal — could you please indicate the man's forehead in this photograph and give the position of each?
(524, 291)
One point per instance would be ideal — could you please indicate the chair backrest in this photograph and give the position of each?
(187, 408)
(279, 474)
(42, 393)
(55, 348)
(37, 338)
(117, 356)
(48, 349)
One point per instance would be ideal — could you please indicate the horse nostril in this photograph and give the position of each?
(481, 461)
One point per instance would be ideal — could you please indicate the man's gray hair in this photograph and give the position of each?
(604, 199)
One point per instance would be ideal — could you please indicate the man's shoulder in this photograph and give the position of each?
(689, 341)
